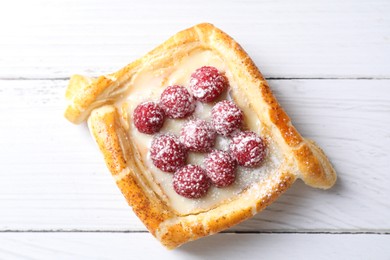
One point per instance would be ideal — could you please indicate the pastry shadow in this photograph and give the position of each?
(294, 211)
(289, 214)
(216, 246)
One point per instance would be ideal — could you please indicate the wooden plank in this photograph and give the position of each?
(221, 246)
(313, 39)
(53, 177)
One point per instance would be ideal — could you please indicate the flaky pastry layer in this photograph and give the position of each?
(94, 99)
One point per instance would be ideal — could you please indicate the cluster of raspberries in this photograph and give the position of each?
(169, 152)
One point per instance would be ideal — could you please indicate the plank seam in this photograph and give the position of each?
(329, 232)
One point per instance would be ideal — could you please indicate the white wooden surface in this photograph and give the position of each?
(328, 63)
(140, 246)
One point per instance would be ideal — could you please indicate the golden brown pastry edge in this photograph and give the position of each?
(86, 94)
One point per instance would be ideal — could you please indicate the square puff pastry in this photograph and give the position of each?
(99, 101)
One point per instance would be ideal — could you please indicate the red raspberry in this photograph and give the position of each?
(198, 135)
(148, 117)
(167, 153)
(177, 102)
(248, 149)
(207, 83)
(191, 182)
(226, 117)
(220, 168)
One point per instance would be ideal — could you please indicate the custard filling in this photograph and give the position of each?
(147, 85)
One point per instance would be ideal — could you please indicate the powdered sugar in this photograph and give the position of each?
(148, 117)
(191, 182)
(226, 117)
(177, 102)
(198, 135)
(248, 149)
(258, 180)
(207, 83)
(167, 153)
(220, 168)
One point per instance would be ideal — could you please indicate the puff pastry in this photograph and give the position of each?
(107, 101)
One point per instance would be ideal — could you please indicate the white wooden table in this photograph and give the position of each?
(328, 62)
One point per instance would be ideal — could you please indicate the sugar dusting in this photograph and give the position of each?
(198, 135)
(191, 181)
(248, 148)
(226, 117)
(177, 102)
(220, 168)
(207, 83)
(167, 153)
(260, 179)
(148, 117)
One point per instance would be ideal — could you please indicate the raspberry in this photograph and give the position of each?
(220, 168)
(191, 182)
(226, 117)
(207, 83)
(148, 117)
(167, 153)
(177, 102)
(198, 135)
(248, 149)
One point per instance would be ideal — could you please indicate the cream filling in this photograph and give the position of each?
(148, 85)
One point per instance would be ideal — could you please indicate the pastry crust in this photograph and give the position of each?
(94, 99)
